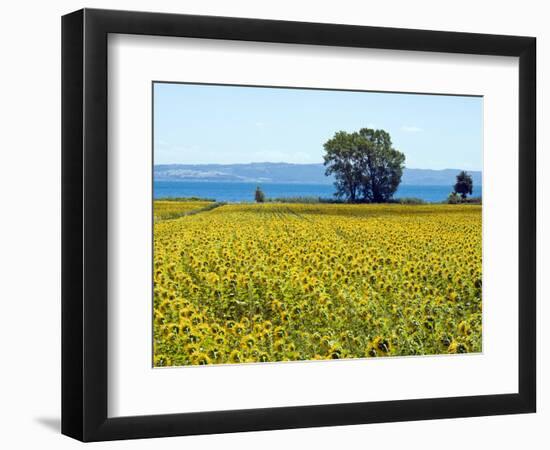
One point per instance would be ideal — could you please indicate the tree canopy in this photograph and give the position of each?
(464, 184)
(365, 165)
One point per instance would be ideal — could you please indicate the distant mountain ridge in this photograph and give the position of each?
(289, 173)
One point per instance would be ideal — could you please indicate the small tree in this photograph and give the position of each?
(464, 184)
(259, 196)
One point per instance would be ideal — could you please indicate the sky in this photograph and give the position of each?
(206, 124)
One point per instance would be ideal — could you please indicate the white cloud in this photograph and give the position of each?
(411, 129)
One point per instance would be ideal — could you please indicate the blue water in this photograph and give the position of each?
(244, 192)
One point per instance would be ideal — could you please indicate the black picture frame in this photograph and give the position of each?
(84, 224)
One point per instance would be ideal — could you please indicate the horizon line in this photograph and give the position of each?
(289, 163)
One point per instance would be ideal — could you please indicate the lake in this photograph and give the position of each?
(244, 192)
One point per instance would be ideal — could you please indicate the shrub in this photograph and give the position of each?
(410, 201)
(473, 201)
(454, 199)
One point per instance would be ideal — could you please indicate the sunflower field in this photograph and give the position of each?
(170, 209)
(284, 282)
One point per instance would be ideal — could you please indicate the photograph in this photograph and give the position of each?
(299, 224)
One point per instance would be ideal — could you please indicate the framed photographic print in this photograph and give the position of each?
(273, 224)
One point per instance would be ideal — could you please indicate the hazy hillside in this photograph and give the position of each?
(288, 173)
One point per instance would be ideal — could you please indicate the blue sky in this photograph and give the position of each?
(199, 124)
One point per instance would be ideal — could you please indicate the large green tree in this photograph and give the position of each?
(342, 159)
(464, 184)
(365, 165)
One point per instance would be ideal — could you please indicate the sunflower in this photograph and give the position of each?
(201, 359)
(235, 356)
